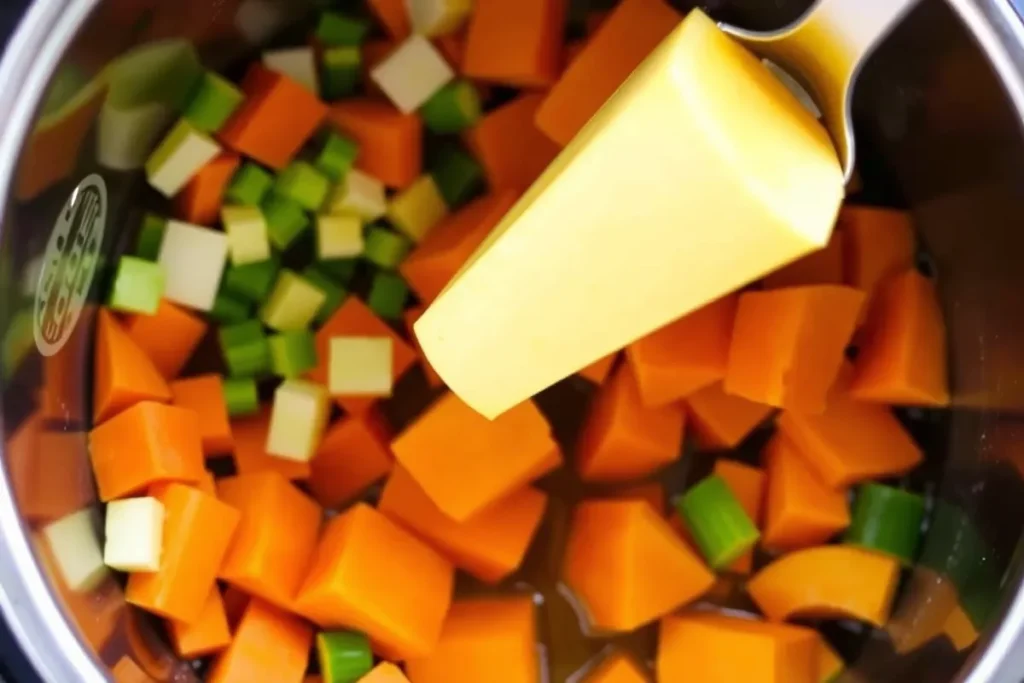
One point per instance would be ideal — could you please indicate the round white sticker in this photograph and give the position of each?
(69, 264)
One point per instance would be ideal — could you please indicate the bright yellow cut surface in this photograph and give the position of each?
(700, 175)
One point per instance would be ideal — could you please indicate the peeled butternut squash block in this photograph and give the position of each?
(701, 174)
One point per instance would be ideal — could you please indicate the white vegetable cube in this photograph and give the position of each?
(246, 229)
(292, 304)
(360, 366)
(135, 534)
(298, 64)
(193, 259)
(418, 208)
(297, 419)
(179, 158)
(437, 17)
(76, 550)
(359, 195)
(412, 74)
(338, 237)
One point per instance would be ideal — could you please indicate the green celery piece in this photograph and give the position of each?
(339, 30)
(245, 348)
(241, 396)
(388, 295)
(303, 184)
(292, 353)
(385, 248)
(228, 309)
(341, 269)
(339, 72)
(452, 109)
(337, 156)
(344, 656)
(458, 175)
(286, 220)
(887, 520)
(334, 292)
(151, 237)
(165, 72)
(138, 286)
(293, 303)
(718, 522)
(214, 101)
(249, 186)
(252, 281)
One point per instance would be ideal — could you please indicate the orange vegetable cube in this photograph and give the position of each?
(275, 120)
(197, 531)
(623, 438)
(686, 355)
(748, 485)
(353, 455)
(959, 629)
(490, 545)
(390, 142)
(250, 434)
(385, 672)
(205, 395)
(200, 201)
(465, 462)
(789, 344)
(274, 544)
(146, 444)
(801, 511)
(127, 671)
(902, 356)
(371, 575)
(271, 646)
(168, 337)
(821, 267)
(509, 145)
(711, 648)
(618, 668)
(410, 317)
(598, 371)
(490, 639)
(208, 634)
(626, 565)
(392, 17)
(515, 42)
(124, 375)
(877, 243)
(720, 421)
(33, 454)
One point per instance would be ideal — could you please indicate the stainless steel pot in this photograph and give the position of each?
(939, 114)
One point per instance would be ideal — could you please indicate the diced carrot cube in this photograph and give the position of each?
(208, 634)
(124, 374)
(515, 42)
(206, 483)
(490, 545)
(274, 544)
(720, 421)
(624, 439)
(410, 317)
(789, 344)
(717, 649)
(371, 575)
(250, 434)
(271, 646)
(627, 567)
(509, 145)
(631, 32)
(393, 16)
(830, 664)
(902, 355)
(450, 244)
(146, 444)
(686, 355)
(385, 672)
(822, 267)
(748, 485)
(169, 337)
(127, 671)
(504, 628)
(617, 668)
(200, 202)
(598, 371)
(390, 142)
(877, 243)
(651, 493)
(205, 395)
(465, 462)
(33, 454)
(197, 531)
(353, 455)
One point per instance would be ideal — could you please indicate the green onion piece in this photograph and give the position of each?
(228, 309)
(285, 220)
(151, 236)
(887, 520)
(241, 396)
(292, 353)
(303, 184)
(344, 656)
(335, 294)
(452, 109)
(337, 156)
(339, 72)
(719, 525)
(388, 295)
(249, 186)
(245, 348)
(385, 248)
(252, 281)
(213, 103)
(457, 174)
(339, 30)
(138, 286)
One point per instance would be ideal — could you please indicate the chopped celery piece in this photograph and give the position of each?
(337, 156)
(388, 295)
(213, 103)
(292, 353)
(249, 186)
(459, 176)
(887, 520)
(252, 281)
(193, 259)
(297, 63)
(285, 220)
(138, 286)
(227, 309)
(134, 534)
(151, 236)
(297, 419)
(452, 109)
(359, 195)
(292, 304)
(245, 348)
(339, 72)
(336, 30)
(241, 396)
(334, 294)
(417, 209)
(719, 525)
(246, 229)
(385, 248)
(344, 656)
(360, 366)
(178, 158)
(412, 73)
(338, 237)
(342, 270)
(303, 184)
(75, 546)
